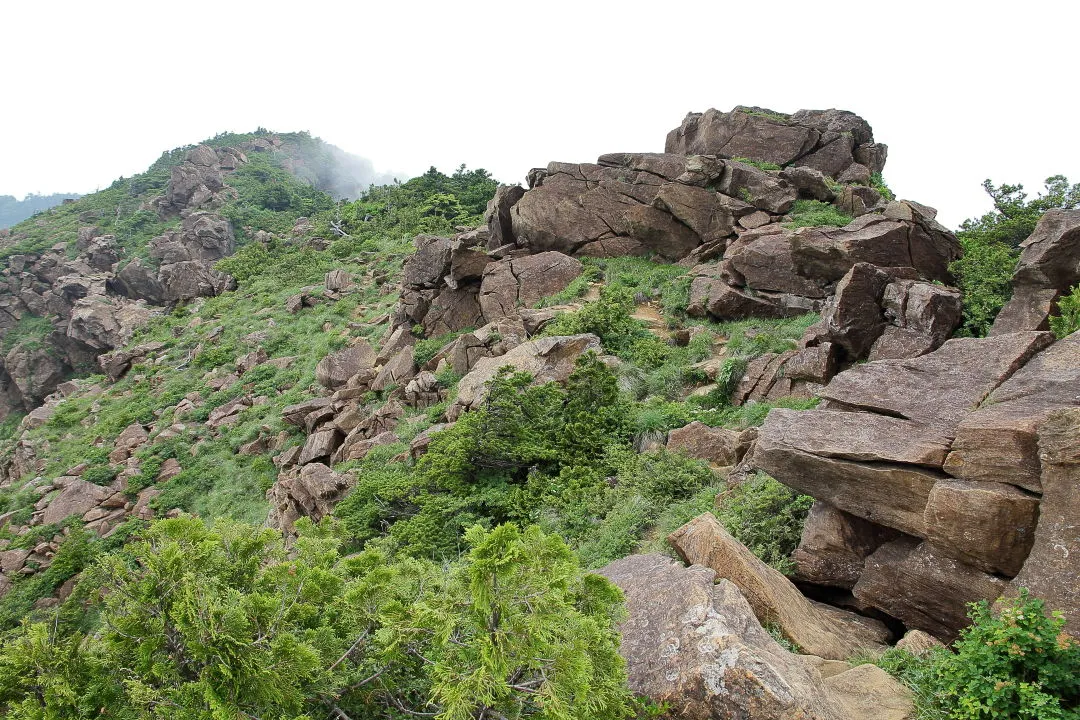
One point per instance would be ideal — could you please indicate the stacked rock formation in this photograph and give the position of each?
(932, 474)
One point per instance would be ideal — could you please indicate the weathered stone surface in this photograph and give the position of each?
(869, 693)
(430, 263)
(697, 646)
(601, 211)
(990, 526)
(834, 546)
(761, 189)
(524, 281)
(918, 643)
(131, 438)
(334, 370)
(136, 280)
(337, 280)
(397, 371)
(1048, 267)
(359, 447)
(118, 362)
(717, 446)
(923, 588)
(453, 310)
(312, 491)
(702, 210)
(711, 295)
(202, 236)
(103, 323)
(546, 359)
(1051, 569)
(467, 264)
(191, 279)
(997, 443)
(12, 561)
(320, 444)
(295, 414)
(958, 376)
(497, 216)
(863, 475)
(744, 132)
(810, 183)
(921, 317)
(818, 629)
(77, 498)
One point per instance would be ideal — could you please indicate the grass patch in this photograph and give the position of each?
(814, 213)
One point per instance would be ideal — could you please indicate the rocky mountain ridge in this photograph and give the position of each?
(941, 468)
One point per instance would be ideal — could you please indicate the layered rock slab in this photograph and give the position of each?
(818, 629)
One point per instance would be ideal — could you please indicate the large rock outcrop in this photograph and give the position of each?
(948, 449)
(694, 643)
(1049, 267)
(836, 142)
(97, 300)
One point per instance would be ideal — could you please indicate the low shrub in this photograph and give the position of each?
(814, 213)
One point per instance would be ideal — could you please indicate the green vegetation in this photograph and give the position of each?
(878, 183)
(449, 586)
(759, 164)
(990, 244)
(1012, 662)
(220, 622)
(814, 213)
(1067, 321)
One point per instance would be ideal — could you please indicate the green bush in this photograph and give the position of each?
(100, 474)
(878, 183)
(984, 275)
(1067, 321)
(1016, 663)
(1013, 661)
(767, 517)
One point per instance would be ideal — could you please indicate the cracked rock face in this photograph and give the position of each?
(956, 449)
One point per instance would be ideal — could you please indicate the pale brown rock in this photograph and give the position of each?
(717, 446)
(884, 492)
(77, 497)
(397, 371)
(312, 491)
(1048, 267)
(334, 370)
(997, 443)
(169, 469)
(870, 693)
(497, 215)
(320, 444)
(524, 281)
(818, 629)
(697, 647)
(918, 643)
(744, 132)
(546, 359)
(959, 375)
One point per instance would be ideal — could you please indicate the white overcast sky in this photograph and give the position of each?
(960, 91)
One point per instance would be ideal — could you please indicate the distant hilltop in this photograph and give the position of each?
(14, 211)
